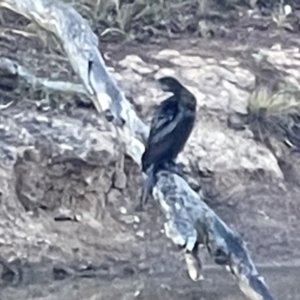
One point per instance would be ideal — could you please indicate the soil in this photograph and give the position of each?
(149, 267)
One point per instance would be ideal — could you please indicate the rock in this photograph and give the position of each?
(127, 219)
(119, 179)
(64, 214)
(211, 61)
(140, 234)
(202, 76)
(188, 61)
(114, 197)
(230, 62)
(238, 98)
(164, 72)
(235, 122)
(245, 79)
(294, 72)
(134, 77)
(222, 150)
(221, 73)
(130, 59)
(117, 76)
(135, 63)
(123, 210)
(167, 53)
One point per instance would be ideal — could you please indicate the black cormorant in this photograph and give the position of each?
(171, 126)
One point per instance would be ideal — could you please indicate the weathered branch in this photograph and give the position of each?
(81, 47)
(189, 219)
(13, 73)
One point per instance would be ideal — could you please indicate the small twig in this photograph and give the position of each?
(7, 105)
(23, 33)
(112, 30)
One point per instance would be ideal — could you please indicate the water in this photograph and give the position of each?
(218, 285)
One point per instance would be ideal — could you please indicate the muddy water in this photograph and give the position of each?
(284, 283)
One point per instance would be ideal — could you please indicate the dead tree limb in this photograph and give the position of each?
(81, 47)
(12, 74)
(189, 220)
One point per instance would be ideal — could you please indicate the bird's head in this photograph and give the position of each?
(170, 84)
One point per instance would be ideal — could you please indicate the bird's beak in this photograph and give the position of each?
(164, 87)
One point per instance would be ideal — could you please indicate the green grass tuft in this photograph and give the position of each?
(275, 115)
(274, 104)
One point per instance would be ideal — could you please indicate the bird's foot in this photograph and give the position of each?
(143, 200)
(139, 208)
(173, 168)
(148, 183)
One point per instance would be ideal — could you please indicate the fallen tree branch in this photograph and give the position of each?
(189, 219)
(14, 72)
(81, 47)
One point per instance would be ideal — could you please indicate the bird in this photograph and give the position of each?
(171, 126)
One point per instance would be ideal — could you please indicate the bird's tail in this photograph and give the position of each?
(147, 186)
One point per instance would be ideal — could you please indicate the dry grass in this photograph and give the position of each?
(274, 119)
(275, 116)
(131, 17)
(273, 103)
(134, 16)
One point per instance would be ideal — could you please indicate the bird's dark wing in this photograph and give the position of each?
(162, 123)
(169, 141)
(163, 119)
